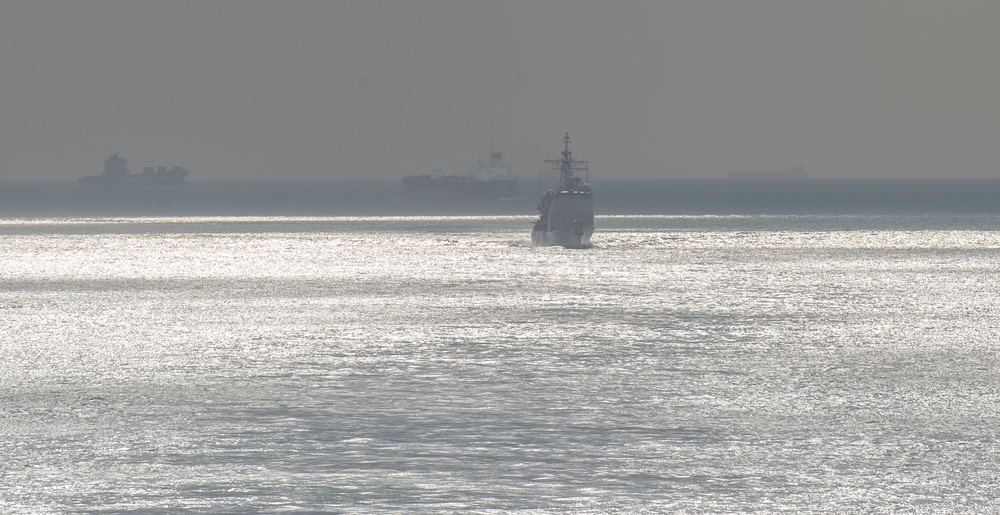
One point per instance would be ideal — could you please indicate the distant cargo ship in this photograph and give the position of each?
(797, 172)
(485, 179)
(116, 174)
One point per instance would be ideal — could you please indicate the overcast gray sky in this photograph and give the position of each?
(240, 89)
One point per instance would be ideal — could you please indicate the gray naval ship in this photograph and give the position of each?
(116, 174)
(567, 213)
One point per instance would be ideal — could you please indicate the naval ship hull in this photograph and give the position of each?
(569, 221)
(568, 237)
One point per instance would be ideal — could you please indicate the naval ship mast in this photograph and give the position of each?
(567, 167)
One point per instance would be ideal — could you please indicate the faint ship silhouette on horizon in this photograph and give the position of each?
(116, 174)
(796, 172)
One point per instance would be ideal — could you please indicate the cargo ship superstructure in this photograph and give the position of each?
(484, 179)
(116, 174)
(567, 213)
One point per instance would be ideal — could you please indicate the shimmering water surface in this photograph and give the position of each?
(824, 362)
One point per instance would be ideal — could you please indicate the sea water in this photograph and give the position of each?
(382, 354)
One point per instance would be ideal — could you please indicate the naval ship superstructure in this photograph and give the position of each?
(567, 213)
(116, 174)
(485, 179)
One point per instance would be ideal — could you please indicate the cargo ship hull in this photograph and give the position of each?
(133, 180)
(453, 186)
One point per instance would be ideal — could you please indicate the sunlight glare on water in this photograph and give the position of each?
(442, 363)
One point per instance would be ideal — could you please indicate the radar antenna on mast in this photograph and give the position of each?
(567, 167)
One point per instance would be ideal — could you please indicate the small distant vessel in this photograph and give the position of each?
(797, 172)
(116, 174)
(567, 213)
(485, 179)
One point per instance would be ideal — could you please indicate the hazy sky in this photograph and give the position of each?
(368, 89)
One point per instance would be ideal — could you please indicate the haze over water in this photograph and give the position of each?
(257, 347)
(256, 89)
